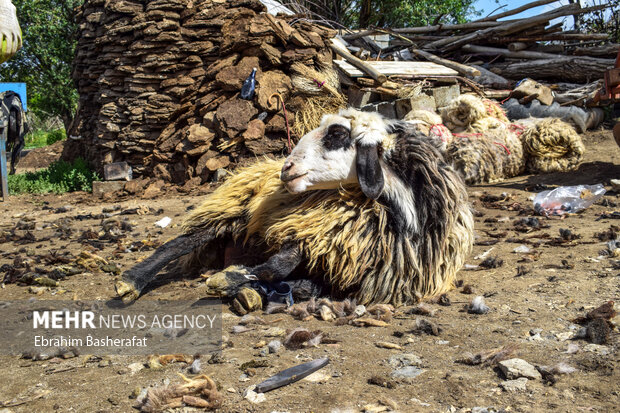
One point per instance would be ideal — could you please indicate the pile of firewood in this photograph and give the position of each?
(159, 83)
(513, 48)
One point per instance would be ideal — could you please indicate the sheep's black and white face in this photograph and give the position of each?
(323, 159)
(345, 149)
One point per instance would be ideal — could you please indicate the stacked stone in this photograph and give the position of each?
(159, 83)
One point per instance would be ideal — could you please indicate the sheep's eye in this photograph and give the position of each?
(337, 137)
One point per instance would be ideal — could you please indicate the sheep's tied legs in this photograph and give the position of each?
(144, 272)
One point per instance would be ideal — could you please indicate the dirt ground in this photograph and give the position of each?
(531, 308)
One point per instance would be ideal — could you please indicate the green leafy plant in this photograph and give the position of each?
(35, 139)
(56, 136)
(44, 62)
(40, 138)
(60, 177)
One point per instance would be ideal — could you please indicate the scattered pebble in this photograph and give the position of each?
(566, 335)
(254, 397)
(516, 368)
(598, 349)
(409, 372)
(274, 346)
(382, 381)
(514, 385)
(195, 367)
(317, 377)
(403, 360)
(360, 310)
(135, 367)
(572, 348)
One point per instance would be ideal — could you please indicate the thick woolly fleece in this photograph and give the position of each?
(350, 241)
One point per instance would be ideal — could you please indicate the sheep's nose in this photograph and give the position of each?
(286, 169)
(287, 166)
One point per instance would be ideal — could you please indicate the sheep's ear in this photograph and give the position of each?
(369, 172)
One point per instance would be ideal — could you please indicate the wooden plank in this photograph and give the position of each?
(461, 68)
(4, 181)
(398, 68)
(338, 47)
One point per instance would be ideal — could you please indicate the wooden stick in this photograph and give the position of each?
(493, 51)
(504, 30)
(553, 36)
(340, 49)
(461, 68)
(609, 49)
(424, 29)
(516, 11)
(510, 28)
(575, 69)
(517, 46)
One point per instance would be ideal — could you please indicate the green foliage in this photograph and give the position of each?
(602, 21)
(40, 138)
(60, 177)
(388, 13)
(44, 62)
(35, 139)
(56, 136)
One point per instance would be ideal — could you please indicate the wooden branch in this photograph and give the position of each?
(607, 50)
(340, 49)
(517, 10)
(424, 29)
(447, 27)
(549, 37)
(503, 30)
(461, 68)
(517, 46)
(492, 80)
(494, 51)
(576, 69)
(510, 28)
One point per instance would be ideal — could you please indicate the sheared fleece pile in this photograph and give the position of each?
(484, 146)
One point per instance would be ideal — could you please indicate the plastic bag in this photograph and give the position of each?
(567, 199)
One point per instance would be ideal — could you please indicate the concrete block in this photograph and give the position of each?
(445, 94)
(102, 187)
(117, 171)
(387, 109)
(420, 102)
(359, 98)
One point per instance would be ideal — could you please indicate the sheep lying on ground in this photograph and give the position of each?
(366, 205)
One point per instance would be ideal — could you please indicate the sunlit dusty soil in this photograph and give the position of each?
(530, 308)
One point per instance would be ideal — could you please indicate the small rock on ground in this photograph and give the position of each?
(514, 385)
(515, 368)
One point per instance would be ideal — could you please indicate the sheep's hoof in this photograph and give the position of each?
(126, 291)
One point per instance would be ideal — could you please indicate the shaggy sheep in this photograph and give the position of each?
(365, 204)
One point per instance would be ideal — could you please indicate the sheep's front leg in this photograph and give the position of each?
(139, 276)
(280, 265)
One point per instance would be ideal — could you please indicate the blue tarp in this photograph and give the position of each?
(19, 88)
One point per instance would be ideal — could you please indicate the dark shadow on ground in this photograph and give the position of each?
(587, 174)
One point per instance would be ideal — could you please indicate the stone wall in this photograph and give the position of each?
(159, 83)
